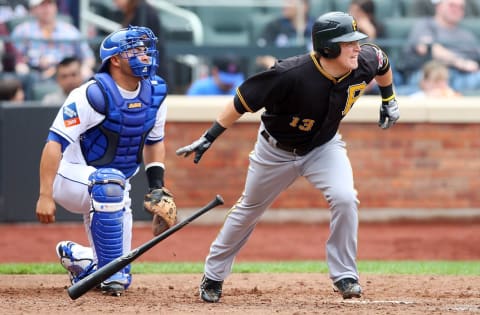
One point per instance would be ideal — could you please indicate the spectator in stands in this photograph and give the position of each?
(45, 40)
(68, 77)
(284, 30)
(364, 13)
(8, 52)
(225, 77)
(442, 38)
(11, 90)
(434, 82)
(140, 12)
(427, 8)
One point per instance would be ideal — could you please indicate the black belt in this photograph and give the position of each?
(277, 144)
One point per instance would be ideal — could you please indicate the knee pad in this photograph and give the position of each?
(106, 188)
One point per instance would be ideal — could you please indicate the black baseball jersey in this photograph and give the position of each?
(303, 103)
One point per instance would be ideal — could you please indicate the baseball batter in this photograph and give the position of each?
(95, 145)
(305, 97)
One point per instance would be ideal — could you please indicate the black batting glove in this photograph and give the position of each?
(389, 114)
(199, 147)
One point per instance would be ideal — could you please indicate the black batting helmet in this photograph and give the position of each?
(333, 28)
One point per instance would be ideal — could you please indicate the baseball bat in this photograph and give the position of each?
(81, 287)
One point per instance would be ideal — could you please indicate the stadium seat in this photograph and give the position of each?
(42, 88)
(317, 8)
(396, 33)
(225, 25)
(258, 21)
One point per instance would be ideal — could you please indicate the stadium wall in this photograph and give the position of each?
(427, 165)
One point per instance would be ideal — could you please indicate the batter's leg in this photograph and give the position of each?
(270, 172)
(331, 172)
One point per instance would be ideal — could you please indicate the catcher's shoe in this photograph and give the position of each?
(348, 288)
(210, 290)
(76, 259)
(116, 284)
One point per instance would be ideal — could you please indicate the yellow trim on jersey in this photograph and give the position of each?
(242, 100)
(325, 73)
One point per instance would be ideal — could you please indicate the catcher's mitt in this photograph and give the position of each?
(160, 203)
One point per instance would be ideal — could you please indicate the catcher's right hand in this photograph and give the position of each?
(199, 147)
(160, 203)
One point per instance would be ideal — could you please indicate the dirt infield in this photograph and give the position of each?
(247, 294)
(255, 293)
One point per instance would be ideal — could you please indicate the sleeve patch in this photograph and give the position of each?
(380, 58)
(70, 115)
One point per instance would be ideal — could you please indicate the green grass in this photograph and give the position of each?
(469, 268)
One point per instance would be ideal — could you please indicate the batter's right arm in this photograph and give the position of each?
(49, 163)
(224, 120)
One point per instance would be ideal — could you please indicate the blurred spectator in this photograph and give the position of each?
(45, 40)
(68, 77)
(427, 7)
(141, 13)
(11, 90)
(8, 52)
(442, 38)
(71, 8)
(284, 30)
(364, 13)
(225, 77)
(434, 82)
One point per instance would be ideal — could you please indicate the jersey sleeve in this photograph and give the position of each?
(75, 116)
(266, 87)
(376, 58)
(158, 131)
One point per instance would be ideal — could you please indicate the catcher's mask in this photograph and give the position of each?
(331, 29)
(131, 42)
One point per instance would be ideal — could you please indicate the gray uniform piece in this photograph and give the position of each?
(272, 170)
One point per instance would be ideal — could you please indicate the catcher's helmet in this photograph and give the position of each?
(333, 28)
(126, 39)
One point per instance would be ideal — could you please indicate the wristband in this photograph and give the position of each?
(155, 175)
(387, 93)
(215, 130)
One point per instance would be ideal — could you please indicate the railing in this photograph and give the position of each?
(88, 18)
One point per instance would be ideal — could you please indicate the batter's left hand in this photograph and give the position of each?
(389, 114)
(199, 147)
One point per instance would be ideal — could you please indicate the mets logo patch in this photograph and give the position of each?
(70, 115)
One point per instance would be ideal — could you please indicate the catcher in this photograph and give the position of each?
(96, 144)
